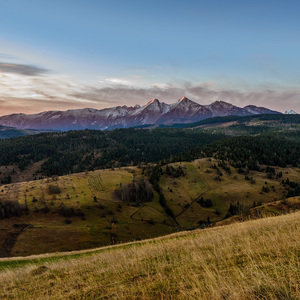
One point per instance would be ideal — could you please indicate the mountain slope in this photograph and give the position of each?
(221, 108)
(183, 111)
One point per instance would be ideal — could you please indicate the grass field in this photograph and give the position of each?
(252, 260)
(108, 220)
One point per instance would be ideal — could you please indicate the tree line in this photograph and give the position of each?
(84, 150)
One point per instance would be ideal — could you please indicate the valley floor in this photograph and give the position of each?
(257, 259)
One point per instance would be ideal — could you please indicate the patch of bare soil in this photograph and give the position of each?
(28, 174)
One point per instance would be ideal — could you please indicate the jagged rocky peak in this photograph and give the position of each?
(184, 101)
(184, 98)
(155, 101)
(157, 106)
(154, 105)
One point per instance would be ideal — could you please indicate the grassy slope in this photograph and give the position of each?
(110, 221)
(252, 260)
(231, 189)
(271, 209)
(106, 221)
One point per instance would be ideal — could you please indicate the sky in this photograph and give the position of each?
(67, 54)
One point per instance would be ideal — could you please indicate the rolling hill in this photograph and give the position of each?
(96, 208)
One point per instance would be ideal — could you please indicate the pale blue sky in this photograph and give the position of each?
(93, 50)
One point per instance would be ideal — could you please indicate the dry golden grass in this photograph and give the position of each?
(252, 260)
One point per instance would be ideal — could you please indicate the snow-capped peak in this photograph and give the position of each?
(153, 101)
(184, 98)
(290, 112)
(155, 105)
(184, 101)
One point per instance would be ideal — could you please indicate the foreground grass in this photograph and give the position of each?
(251, 260)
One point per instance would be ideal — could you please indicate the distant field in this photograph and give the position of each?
(252, 260)
(99, 218)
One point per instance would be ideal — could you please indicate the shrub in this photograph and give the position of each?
(70, 212)
(265, 189)
(205, 203)
(54, 189)
(151, 222)
(137, 191)
(45, 209)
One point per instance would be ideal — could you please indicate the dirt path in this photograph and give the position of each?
(132, 215)
(185, 209)
(143, 205)
(197, 198)
(193, 202)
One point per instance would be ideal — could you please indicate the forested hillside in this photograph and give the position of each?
(63, 153)
(252, 152)
(77, 151)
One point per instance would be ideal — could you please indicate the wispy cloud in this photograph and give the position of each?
(27, 70)
(116, 81)
(32, 94)
(201, 93)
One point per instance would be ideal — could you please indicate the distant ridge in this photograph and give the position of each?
(154, 112)
(10, 132)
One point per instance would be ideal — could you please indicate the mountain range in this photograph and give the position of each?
(154, 112)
